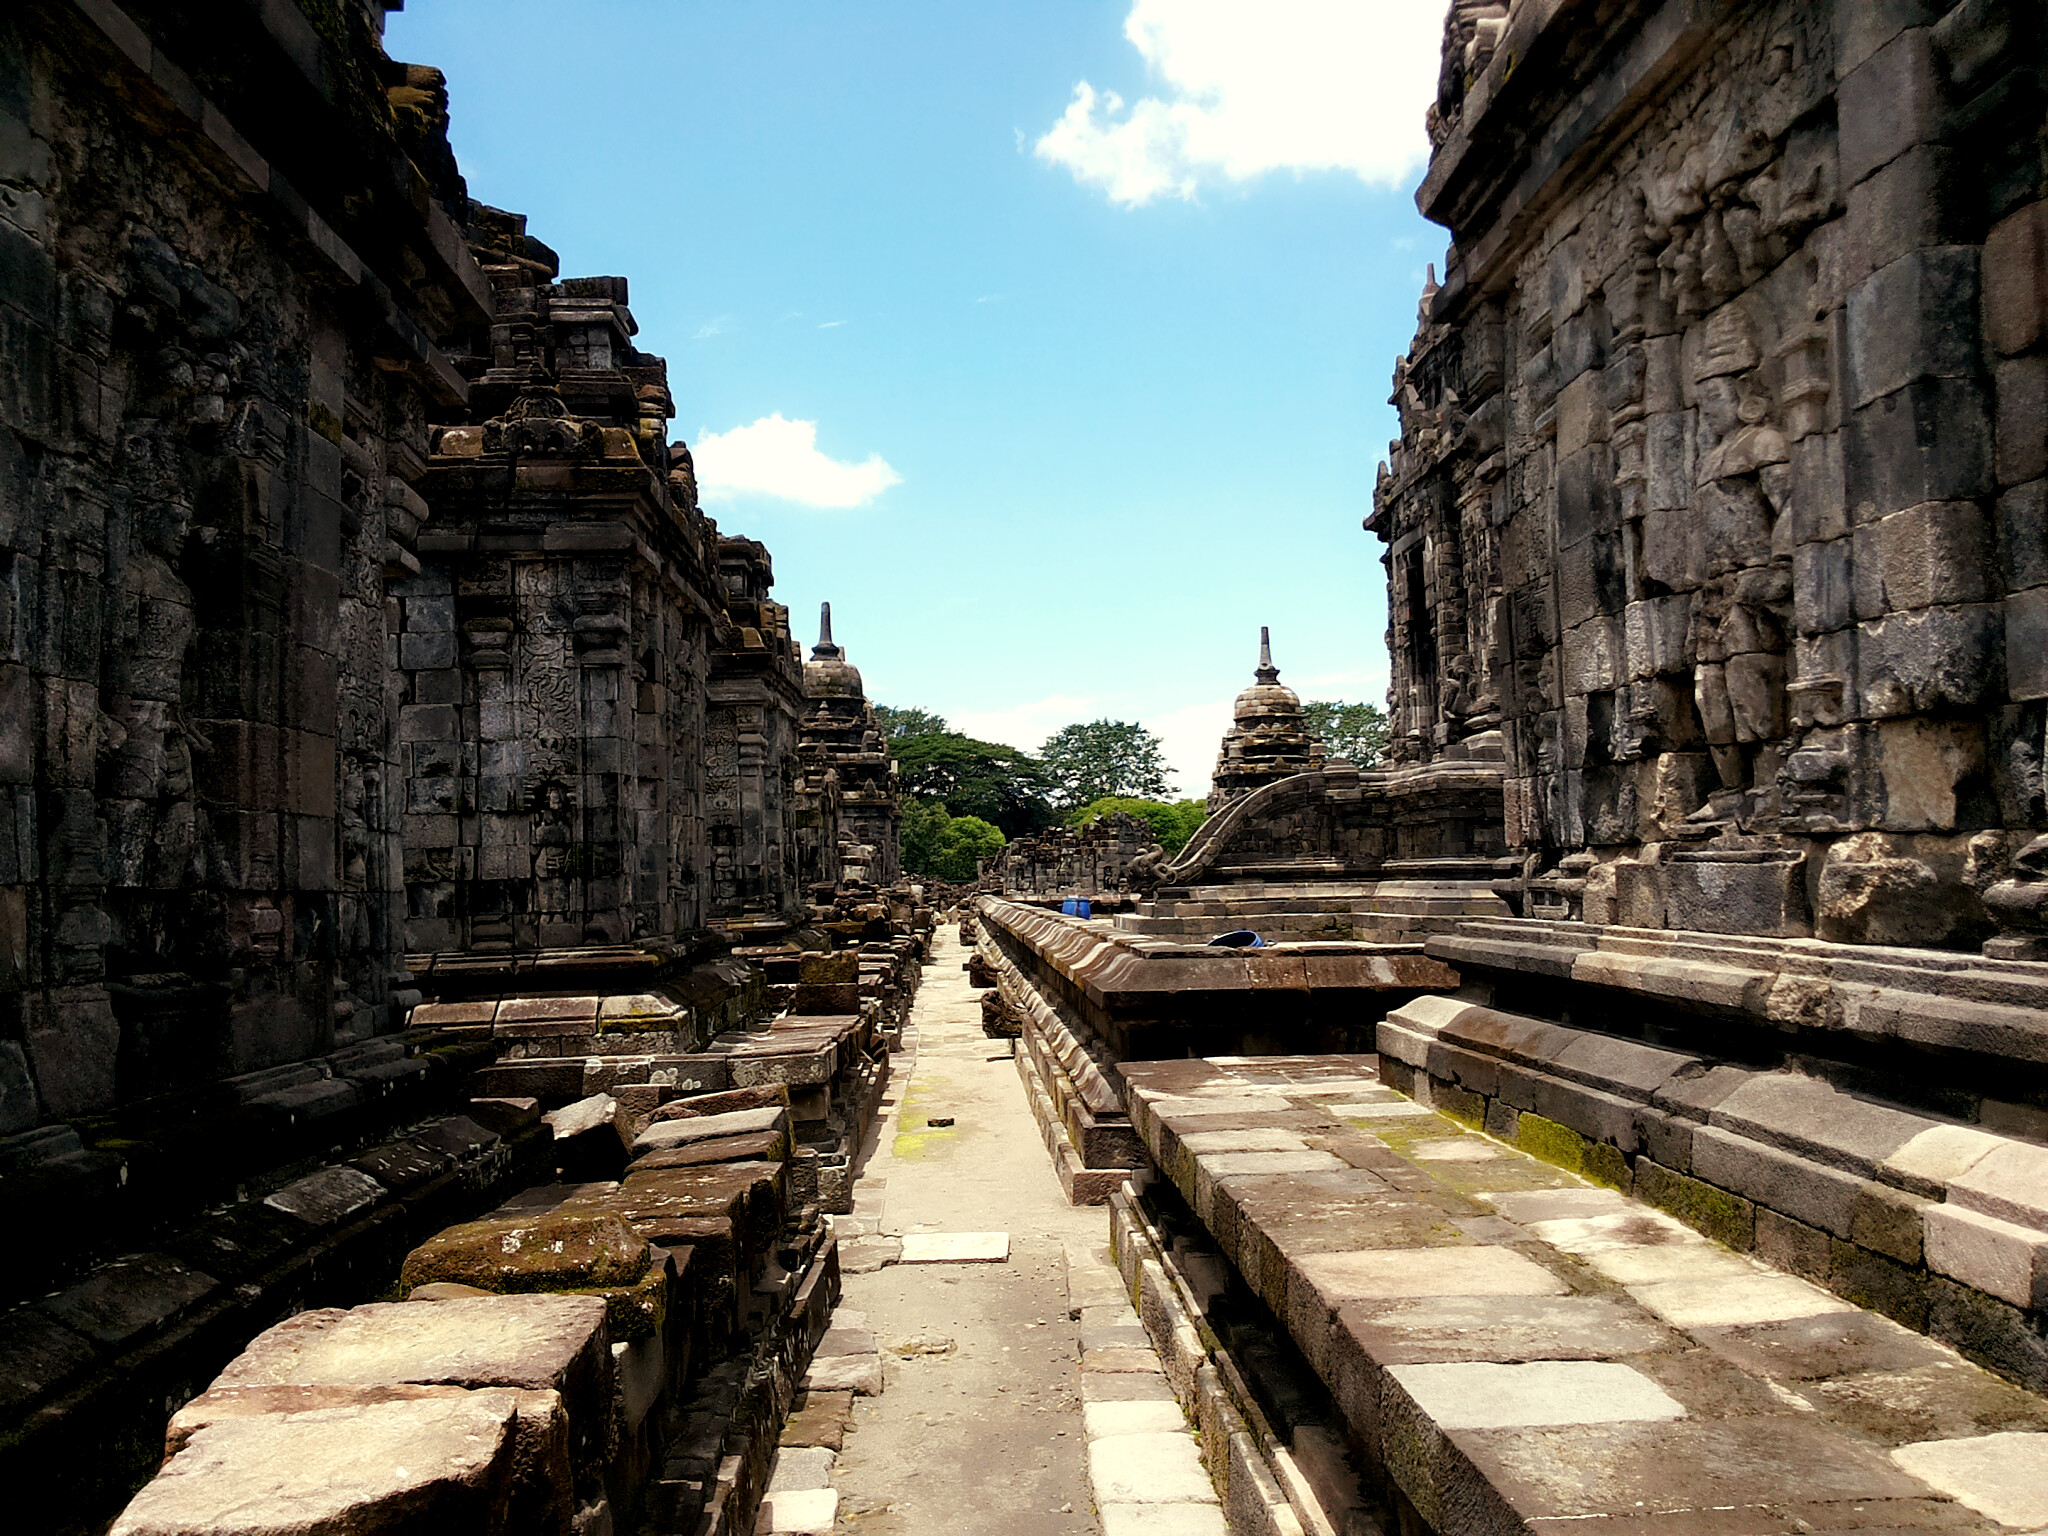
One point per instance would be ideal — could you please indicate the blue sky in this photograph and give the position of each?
(1050, 342)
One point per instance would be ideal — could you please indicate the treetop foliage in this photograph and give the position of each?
(1357, 732)
(943, 846)
(899, 723)
(984, 779)
(1086, 762)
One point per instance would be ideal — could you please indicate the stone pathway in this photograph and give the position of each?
(1001, 1321)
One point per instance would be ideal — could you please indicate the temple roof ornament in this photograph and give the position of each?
(1269, 738)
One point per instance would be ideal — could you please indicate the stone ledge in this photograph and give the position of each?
(1885, 1206)
(1508, 1343)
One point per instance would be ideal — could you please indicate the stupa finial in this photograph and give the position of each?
(1267, 672)
(825, 650)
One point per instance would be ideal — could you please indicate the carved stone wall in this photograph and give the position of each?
(223, 292)
(756, 695)
(1073, 861)
(1719, 488)
(353, 602)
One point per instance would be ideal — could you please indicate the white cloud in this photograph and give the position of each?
(778, 457)
(1300, 85)
(719, 325)
(1025, 726)
(831, 325)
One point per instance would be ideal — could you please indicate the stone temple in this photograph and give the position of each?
(459, 982)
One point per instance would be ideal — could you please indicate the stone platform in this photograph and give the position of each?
(1506, 1346)
(1087, 996)
(1392, 911)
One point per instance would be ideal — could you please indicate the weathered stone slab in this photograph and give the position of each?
(1501, 1328)
(553, 1252)
(1148, 1469)
(555, 1342)
(1380, 1274)
(665, 1134)
(2003, 1476)
(955, 1248)
(129, 1298)
(1485, 1395)
(327, 1198)
(430, 1464)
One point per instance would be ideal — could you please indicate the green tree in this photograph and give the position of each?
(1085, 762)
(945, 847)
(1172, 824)
(966, 840)
(1354, 731)
(919, 834)
(899, 723)
(999, 784)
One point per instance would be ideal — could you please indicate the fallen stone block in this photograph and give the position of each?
(819, 1420)
(129, 1298)
(327, 1198)
(664, 1134)
(858, 1374)
(700, 1105)
(424, 1464)
(590, 1139)
(553, 1252)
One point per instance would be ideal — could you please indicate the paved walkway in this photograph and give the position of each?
(979, 1427)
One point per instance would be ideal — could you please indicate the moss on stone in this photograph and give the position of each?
(1554, 1143)
(1605, 1164)
(556, 1251)
(633, 1312)
(1459, 1104)
(1724, 1217)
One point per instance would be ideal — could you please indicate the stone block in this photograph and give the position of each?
(2020, 386)
(1889, 102)
(1824, 592)
(2002, 1476)
(590, 1138)
(1713, 895)
(1587, 502)
(1930, 660)
(663, 1135)
(553, 1343)
(1657, 637)
(1888, 1222)
(1809, 1117)
(1938, 552)
(1913, 202)
(1792, 1185)
(1930, 440)
(434, 1463)
(1592, 657)
(1792, 1246)
(2026, 644)
(2023, 536)
(1148, 1469)
(329, 1197)
(1487, 1395)
(1997, 1257)
(2016, 280)
(557, 1251)
(129, 1299)
(2009, 1182)
(1914, 319)
(1936, 1157)
(1725, 1217)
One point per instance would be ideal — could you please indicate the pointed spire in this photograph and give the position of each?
(825, 650)
(1267, 672)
